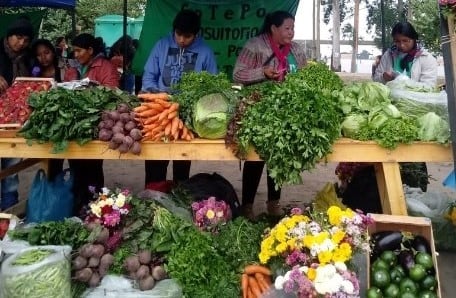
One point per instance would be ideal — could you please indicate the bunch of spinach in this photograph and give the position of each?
(292, 127)
(67, 232)
(62, 115)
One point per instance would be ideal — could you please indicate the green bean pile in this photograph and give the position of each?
(49, 280)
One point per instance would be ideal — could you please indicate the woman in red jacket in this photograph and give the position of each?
(89, 53)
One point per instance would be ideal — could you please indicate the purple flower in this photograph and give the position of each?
(297, 258)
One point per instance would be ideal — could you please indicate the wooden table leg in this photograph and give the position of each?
(389, 184)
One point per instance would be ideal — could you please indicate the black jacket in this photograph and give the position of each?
(6, 65)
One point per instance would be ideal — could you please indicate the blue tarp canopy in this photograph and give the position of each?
(42, 3)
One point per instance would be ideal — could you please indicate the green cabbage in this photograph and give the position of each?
(351, 125)
(210, 116)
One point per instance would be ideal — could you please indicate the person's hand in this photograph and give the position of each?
(3, 84)
(388, 76)
(270, 73)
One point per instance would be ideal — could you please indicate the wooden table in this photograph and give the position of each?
(344, 150)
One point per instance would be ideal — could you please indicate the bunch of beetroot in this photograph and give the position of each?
(144, 269)
(92, 260)
(91, 263)
(120, 129)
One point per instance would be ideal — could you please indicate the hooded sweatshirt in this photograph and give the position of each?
(167, 62)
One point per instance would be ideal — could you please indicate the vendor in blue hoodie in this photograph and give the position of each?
(181, 51)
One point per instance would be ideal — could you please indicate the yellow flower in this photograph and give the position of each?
(311, 274)
(308, 241)
(281, 247)
(334, 215)
(346, 250)
(264, 258)
(95, 209)
(120, 202)
(324, 257)
(210, 214)
(322, 236)
(338, 236)
(340, 256)
(281, 235)
(291, 243)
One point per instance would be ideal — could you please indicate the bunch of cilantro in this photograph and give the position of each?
(295, 123)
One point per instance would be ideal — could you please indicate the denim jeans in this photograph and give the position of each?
(9, 185)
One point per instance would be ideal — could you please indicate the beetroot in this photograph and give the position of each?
(136, 134)
(123, 108)
(135, 148)
(105, 135)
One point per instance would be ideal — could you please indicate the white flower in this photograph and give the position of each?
(279, 282)
(347, 287)
(102, 203)
(120, 202)
(109, 201)
(121, 196)
(105, 191)
(327, 245)
(327, 280)
(340, 266)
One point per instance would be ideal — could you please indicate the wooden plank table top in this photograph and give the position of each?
(386, 161)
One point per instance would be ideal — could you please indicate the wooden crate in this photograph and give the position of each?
(416, 225)
(9, 130)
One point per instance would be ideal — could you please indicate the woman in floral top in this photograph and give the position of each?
(269, 56)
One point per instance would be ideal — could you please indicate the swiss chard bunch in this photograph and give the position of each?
(62, 115)
(292, 127)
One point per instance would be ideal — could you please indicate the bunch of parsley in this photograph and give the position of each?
(294, 125)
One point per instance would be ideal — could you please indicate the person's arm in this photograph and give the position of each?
(429, 67)
(385, 66)
(151, 73)
(249, 65)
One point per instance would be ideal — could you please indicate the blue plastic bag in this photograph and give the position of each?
(50, 200)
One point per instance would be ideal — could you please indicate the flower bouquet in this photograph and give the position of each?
(312, 253)
(209, 214)
(108, 209)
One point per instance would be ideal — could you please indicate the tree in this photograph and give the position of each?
(422, 14)
(57, 22)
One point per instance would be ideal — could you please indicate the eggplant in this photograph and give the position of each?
(387, 240)
(406, 259)
(419, 243)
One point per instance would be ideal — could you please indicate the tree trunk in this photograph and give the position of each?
(335, 55)
(317, 53)
(400, 10)
(355, 37)
(314, 30)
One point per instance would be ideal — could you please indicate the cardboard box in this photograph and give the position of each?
(416, 225)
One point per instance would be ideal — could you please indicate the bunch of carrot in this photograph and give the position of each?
(159, 118)
(255, 281)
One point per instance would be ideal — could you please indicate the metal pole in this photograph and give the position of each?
(449, 80)
(125, 45)
(382, 21)
(73, 23)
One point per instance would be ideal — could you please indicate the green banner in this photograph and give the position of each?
(34, 16)
(226, 25)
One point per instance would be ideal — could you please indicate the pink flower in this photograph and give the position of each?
(112, 219)
(296, 211)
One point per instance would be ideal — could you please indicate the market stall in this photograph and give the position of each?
(344, 150)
